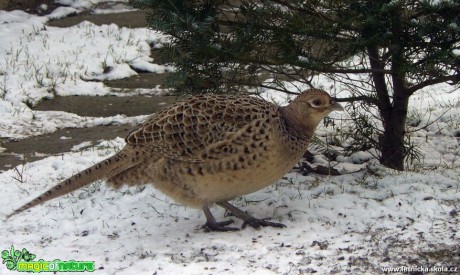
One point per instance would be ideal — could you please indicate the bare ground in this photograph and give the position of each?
(104, 106)
(131, 19)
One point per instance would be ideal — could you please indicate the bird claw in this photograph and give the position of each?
(219, 226)
(257, 223)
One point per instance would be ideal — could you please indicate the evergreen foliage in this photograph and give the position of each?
(230, 45)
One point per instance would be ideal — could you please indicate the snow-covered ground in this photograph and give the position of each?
(39, 61)
(367, 219)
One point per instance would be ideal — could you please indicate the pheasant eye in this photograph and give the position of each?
(316, 103)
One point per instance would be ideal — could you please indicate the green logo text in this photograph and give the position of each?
(22, 261)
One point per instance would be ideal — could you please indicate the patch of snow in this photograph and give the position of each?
(21, 122)
(61, 57)
(87, 4)
(98, 6)
(82, 145)
(358, 157)
(82, 87)
(114, 71)
(142, 65)
(41, 62)
(157, 90)
(117, 8)
(345, 224)
(61, 12)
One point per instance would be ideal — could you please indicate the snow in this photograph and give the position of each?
(40, 62)
(363, 216)
(82, 145)
(24, 122)
(87, 4)
(61, 12)
(368, 218)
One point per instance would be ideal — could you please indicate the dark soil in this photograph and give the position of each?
(103, 106)
(35, 148)
(131, 19)
(144, 80)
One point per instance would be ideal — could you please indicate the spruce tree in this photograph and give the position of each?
(232, 45)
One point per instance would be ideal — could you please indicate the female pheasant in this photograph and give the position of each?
(210, 149)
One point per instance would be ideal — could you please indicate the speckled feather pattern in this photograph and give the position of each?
(184, 130)
(207, 143)
(214, 148)
(209, 148)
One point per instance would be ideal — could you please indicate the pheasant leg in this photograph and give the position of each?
(248, 219)
(212, 225)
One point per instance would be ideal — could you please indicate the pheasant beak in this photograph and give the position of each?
(335, 106)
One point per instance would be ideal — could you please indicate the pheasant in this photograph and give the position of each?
(209, 149)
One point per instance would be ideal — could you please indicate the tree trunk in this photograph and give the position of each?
(392, 143)
(394, 113)
(394, 124)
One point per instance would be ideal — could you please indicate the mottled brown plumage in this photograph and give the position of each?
(209, 149)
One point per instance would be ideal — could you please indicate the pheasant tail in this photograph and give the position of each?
(104, 169)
